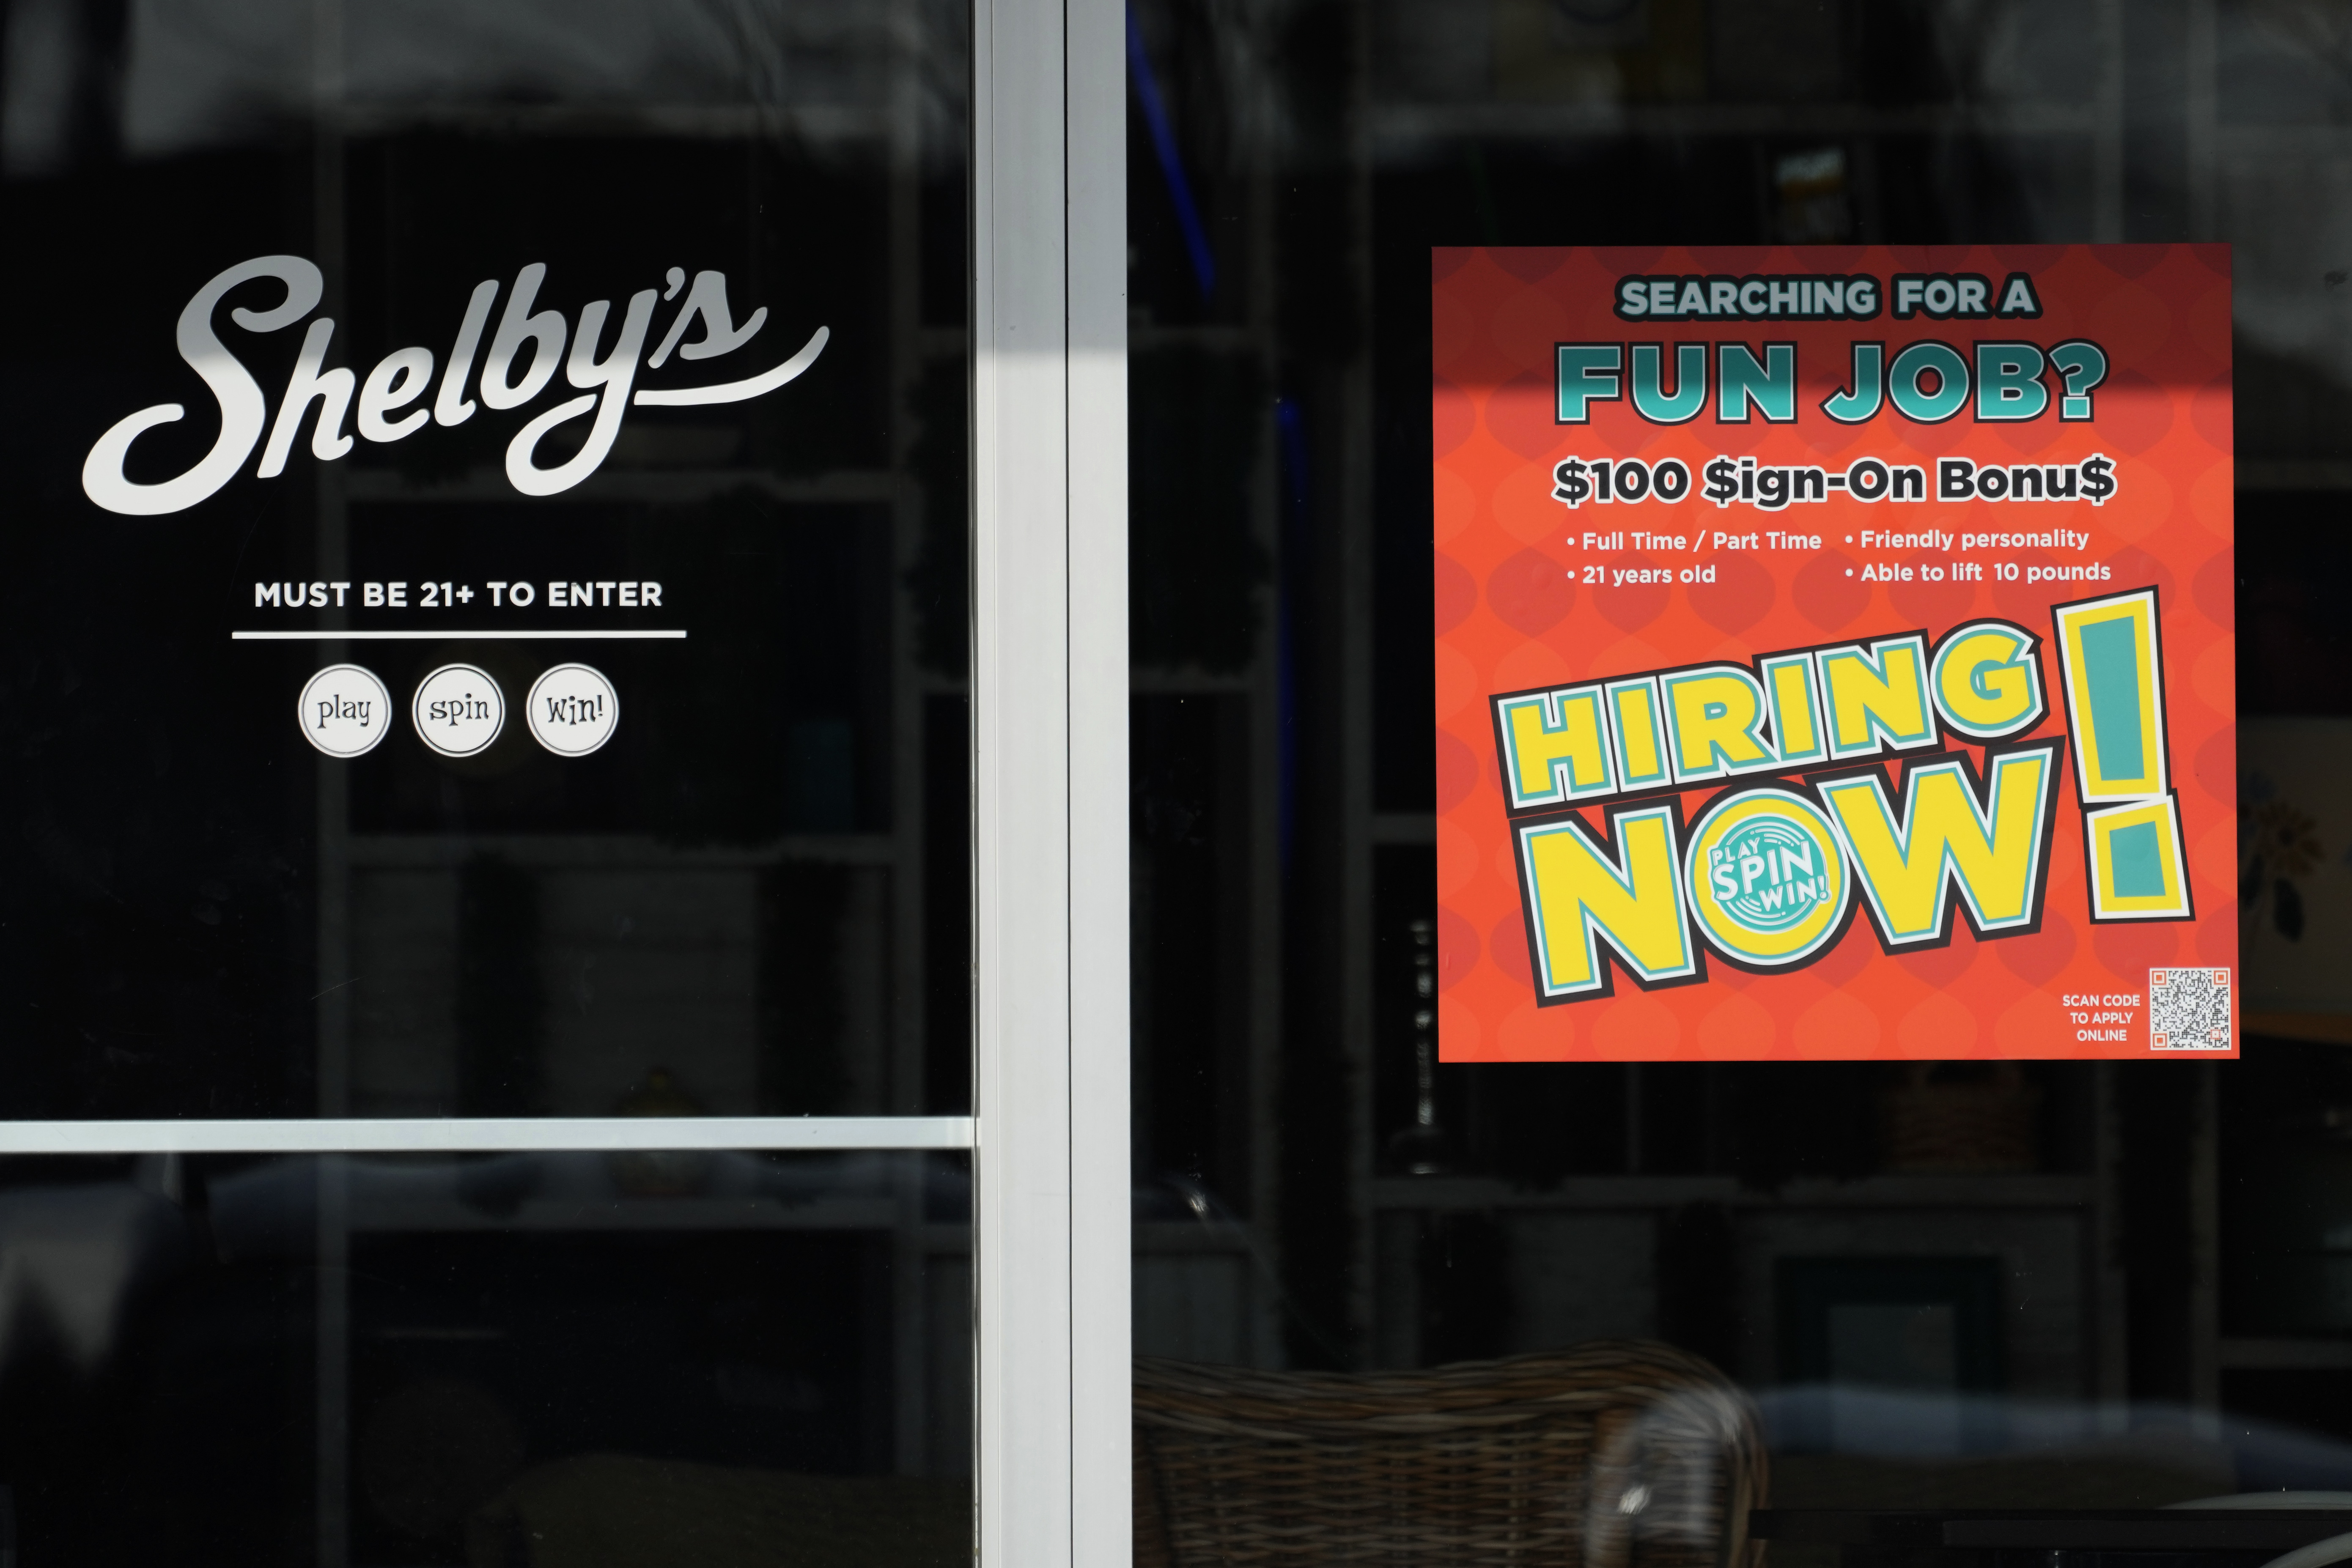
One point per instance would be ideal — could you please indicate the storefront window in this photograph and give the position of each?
(1790, 1272)
(486, 927)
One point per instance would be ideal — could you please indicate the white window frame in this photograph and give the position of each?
(1050, 782)
(1049, 691)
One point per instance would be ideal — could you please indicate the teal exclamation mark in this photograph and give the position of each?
(2111, 681)
(2135, 856)
(2109, 650)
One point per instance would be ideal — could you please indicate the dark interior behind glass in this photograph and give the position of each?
(753, 900)
(204, 917)
(2141, 1302)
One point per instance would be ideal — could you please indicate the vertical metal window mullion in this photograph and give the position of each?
(1101, 1353)
(1050, 781)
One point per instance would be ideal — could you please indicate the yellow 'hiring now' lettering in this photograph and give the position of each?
(1576, 899)
(1991, 855)
(1796, 707)
(1557, 744)
(1640, 756)
(1590, 743)
(1988, 681)
(1877, 700)
(1766, 878)
(1716, 718)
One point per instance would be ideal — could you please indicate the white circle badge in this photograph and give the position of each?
(571, 710)
(344, 710)
(458, 710)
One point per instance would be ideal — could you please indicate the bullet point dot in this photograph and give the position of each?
(1849, 571)
(1849, 538)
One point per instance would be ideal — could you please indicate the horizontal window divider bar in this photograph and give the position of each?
(461, 634)
(1400, 125)
(379, 487)
(826, 123)
(486, 1134)
(606, 852)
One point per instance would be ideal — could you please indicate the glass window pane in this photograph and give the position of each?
(526, 675)
(545, 1358)
(1928, 1282)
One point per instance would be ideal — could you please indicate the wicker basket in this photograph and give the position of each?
(1613, 1454)
(1934, 1121)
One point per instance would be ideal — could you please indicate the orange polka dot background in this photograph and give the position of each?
(1511, 614)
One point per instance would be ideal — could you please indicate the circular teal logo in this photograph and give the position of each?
(1767, 873)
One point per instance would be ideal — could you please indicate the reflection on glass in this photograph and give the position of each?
(547, 1359)
(480, 217)
(1615, 1448)
(1942, 1285)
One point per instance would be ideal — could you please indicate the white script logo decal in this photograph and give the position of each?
(400, 377)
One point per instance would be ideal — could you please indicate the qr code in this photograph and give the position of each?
(2189, 1010)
